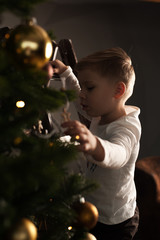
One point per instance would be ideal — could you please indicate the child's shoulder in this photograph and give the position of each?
(128, 123)
(130, 119)
(132, 110)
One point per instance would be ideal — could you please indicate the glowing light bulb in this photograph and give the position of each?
(20, 104)
(77, 137)
(70, 228)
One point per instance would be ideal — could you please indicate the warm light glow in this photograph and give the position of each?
(7, 35)
(49, 49)
(18, 50)
(70, 228)
(28, 228)
(17, 140)
(29, 44)
(91, 236)
(19, 235)
(32, 229)
(77, 137)
(20, 104)
(51, 144)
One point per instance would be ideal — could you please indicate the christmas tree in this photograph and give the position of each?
(35, 186)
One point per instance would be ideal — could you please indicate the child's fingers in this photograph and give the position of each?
(71, 132)
(58, 66)
(81, 137)
(55, 67)
(79, 133)
(75, 130)
(83, 147)
(55, 63)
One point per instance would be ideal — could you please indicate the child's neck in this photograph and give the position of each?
(113, 115)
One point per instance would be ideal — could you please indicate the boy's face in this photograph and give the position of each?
(97, 93)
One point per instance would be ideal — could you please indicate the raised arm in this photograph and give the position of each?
(71, 83)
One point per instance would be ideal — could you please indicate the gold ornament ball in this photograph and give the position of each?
(17, 140)
(87, 214)
(90, 236)
(23, 230)
(30, 45)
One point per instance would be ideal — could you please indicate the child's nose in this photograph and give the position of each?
(82, 94)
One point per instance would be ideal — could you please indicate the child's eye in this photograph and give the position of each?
(90, 88)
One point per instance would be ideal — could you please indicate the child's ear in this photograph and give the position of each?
(119, 89)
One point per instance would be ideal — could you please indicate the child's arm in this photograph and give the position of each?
(89, 143)
(66, 72)
(114, 152)
(72, 84)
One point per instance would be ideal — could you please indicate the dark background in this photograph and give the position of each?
(96, 25)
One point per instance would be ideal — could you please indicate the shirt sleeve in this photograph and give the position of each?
(119, 146)
(71, 80)
(72, 83)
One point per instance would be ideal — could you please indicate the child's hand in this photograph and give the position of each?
(58, 66)
(88, 142)
(49, 69)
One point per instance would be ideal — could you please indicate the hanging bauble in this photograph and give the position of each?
(89, 236)
(23, 230)
(86, 215)
(29, 45)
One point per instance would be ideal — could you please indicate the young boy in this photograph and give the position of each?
(111, 144)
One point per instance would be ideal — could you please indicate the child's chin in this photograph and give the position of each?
(91, 114)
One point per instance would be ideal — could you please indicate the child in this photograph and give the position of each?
(111, 144)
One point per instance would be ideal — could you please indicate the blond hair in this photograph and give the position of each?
(113, 63)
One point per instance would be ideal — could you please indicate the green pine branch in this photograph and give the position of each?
(34, 177)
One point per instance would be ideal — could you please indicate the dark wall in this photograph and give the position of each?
(133, 26)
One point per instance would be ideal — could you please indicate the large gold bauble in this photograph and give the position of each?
(29, 45)
(90, 236)
(23, 230)
(87, 215)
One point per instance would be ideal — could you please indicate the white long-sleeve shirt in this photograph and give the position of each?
(115, 198)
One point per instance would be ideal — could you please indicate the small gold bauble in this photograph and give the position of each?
(87, 214)
(30, 45)
(17, 140)
(23, 230)
(90, 236)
